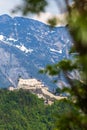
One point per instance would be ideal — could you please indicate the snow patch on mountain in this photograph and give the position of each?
(11, 39)
(6, 39)
(1, 37)
(24, 49)
(53, 50)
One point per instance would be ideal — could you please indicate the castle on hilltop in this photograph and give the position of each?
(36, 87)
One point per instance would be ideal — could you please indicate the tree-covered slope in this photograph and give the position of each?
(21, 110)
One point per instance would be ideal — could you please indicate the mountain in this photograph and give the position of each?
(26, 46)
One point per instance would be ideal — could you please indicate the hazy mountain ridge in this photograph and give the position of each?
(28, 45)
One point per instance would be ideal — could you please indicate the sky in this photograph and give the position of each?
(53, 9)
(7, 5)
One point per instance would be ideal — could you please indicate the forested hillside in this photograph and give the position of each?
(21, 110)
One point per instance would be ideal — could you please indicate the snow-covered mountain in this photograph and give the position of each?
(26, 46)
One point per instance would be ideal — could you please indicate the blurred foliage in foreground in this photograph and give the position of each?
(77, 25)
(31, 6)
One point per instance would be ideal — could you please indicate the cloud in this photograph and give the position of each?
(43, 17)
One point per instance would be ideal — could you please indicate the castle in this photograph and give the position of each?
(36, 87)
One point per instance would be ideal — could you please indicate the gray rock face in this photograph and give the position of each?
(26, 46)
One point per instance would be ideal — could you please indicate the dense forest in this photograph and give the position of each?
(22, 110)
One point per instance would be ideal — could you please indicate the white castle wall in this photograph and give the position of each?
(36, 87)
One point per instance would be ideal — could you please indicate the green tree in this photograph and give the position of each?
(77, 20)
